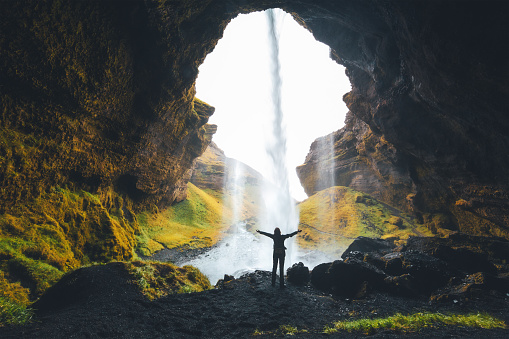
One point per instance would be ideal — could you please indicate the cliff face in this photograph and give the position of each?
(426, 130)
(99, 95)
(99, 89)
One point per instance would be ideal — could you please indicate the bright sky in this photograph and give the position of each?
(236, 79)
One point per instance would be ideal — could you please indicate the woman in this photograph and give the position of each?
(279, 253)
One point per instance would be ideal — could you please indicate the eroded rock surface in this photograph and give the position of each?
(105, 91)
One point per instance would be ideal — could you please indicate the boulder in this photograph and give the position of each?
(320, 277)
(472, 285)
(298, 274)
(465, 259)
(429, 273)
(349, 278)
(402, 285)
(393, 263)
(364, 245)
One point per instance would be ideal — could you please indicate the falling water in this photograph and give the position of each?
(326, 174)
(241, 251)
(237, 253)
(279, 210)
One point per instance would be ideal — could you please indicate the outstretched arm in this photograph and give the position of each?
(265, 233)
(292, 234)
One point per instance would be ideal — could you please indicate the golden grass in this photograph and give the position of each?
(196, 222)
(331, 218)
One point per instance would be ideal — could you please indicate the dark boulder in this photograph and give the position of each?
(393, 263)
(402, 285)
(465, 259)
(298, 274)
(320, 277)
(365, 245)
(499, 249)
(476, 284)
(429, 273)
(349, 278)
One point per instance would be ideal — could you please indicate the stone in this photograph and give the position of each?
(320, 277)
(298, 274)
(472, 285)
(348, 278)
(429, 273)
(364, 245)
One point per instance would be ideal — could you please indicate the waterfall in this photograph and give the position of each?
(279, 210)
(242, 251)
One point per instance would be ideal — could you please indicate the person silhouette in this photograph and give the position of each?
(279, 253)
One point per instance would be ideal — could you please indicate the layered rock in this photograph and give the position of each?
(100, 94)
(214, 170)
(426, 130)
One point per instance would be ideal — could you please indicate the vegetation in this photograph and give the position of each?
(157, 279)
(415, 322)
(283, 330)
(333, 217)
(398, 322)
(12, 313)
(196, 222)
(58, 232)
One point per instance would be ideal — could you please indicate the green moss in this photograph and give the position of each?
(331, 218)
(57, 232)
(156, 279)
(415, 322)
(195, 222)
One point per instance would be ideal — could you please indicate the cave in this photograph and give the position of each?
(113, 85)
(100, 124)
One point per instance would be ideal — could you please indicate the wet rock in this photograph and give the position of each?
(465, 259)
(320, 276)
(349, 278)
(364, 245)
(224, 283)
(393, 263)
(375, 259)
(429, 273)
(472, 285)
(402, 285)
(298, 274)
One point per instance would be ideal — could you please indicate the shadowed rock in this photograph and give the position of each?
(363, 245)
(298, 274)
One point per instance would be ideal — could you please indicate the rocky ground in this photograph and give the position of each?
(103, 302)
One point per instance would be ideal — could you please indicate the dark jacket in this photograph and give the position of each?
(279, 239)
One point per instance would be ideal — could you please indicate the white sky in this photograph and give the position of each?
(236, 79)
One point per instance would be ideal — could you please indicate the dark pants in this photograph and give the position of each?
(281, 258)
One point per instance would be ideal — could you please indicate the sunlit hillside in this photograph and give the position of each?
(195, 222)
(214, 202)
(332, 218)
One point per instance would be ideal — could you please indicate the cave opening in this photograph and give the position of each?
(237, 78)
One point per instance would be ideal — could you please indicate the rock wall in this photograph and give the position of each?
(426, 130)
(102, 95)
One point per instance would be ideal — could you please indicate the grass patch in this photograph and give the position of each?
(283, 330)
(12, 313)
(415, 322)
(157, 279)
(331, 218)
(196, 222)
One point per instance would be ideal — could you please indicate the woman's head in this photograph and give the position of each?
(277, 231)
